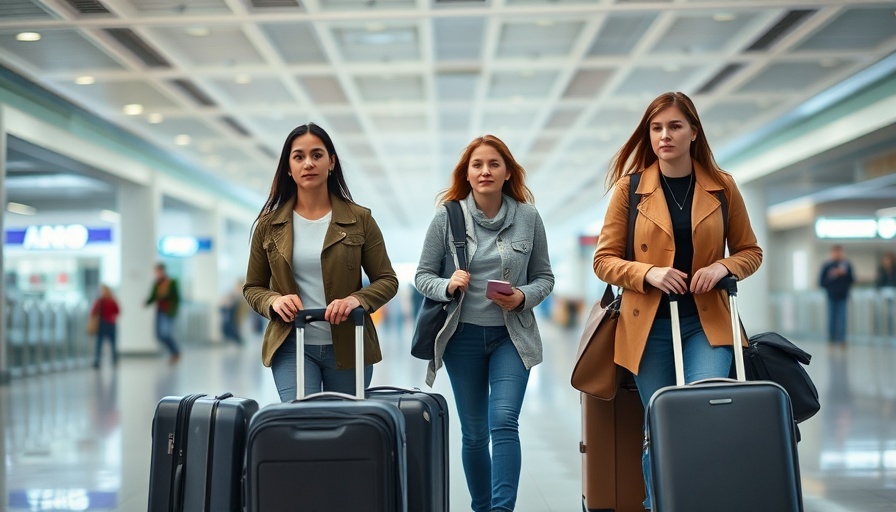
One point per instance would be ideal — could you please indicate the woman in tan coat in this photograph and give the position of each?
(678, 247)
(311, 241)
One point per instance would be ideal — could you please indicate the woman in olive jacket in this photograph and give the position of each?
(679, 247)
(310, 242)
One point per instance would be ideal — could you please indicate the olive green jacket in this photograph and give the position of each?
(353, 241)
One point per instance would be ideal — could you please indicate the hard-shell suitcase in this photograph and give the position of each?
(721, 444)
(198, 444)
(426, 431)
(327, 452)
(612, 436)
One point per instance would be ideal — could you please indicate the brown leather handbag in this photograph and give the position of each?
(595, 373)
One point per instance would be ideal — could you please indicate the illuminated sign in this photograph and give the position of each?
(183, 246)
(56, 237)
(856, 228)
(62, 499)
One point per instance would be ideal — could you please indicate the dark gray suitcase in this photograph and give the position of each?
(198, 444)
(722, 444)
(426, 431)
(327, 452)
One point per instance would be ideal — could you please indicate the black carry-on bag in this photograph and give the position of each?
(426, 431)
(198, 445)
(722, 444)
(327, 452)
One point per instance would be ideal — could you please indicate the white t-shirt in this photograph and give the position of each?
(308, 242)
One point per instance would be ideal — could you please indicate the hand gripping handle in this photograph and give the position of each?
(728, 283)
(307, 316)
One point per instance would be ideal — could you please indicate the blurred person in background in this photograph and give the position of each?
(105, 309)
(886, 285)
(836, 278)
(166, 295)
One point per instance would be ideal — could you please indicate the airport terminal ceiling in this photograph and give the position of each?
(403, 85)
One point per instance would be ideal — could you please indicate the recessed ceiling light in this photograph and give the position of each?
(133, 109)
(27, 36)
(182, 140)
(828, 63)
(155, 118)
(85, 80)
(21, 209)
(243, 78)
(724, 16)
(375, 27)
(198, 31)
(545, 23)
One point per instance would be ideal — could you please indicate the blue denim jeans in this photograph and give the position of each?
(489, 381)
(165, 332)
(837, 320)
(105, 330)
(320, 371)
(657, 367)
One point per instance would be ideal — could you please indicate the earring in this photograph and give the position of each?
(289, 174)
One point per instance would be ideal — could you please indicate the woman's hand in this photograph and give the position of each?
(339, 309)
(706, 278)
(460, 279)
(287, 306)
(667, 279)
(509, 302)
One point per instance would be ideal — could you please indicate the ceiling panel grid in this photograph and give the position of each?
(404, 85)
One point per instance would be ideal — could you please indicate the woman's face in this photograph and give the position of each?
(671, 135)
(309, 162)
(486, 171)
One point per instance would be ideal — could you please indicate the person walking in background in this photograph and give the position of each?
(232, 313)
(836, 278)
(309, 245)
(105, 308)
(679, 247)
(166, 295)
(489, 344)
(886, 285)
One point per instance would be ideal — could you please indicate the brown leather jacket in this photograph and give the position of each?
(654, 245)
(353, 241)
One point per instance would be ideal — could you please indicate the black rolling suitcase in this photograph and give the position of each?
(722, 444)
(327, 452)
(426, 429)
(198, 444)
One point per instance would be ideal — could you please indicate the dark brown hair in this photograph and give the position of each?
(283, 188)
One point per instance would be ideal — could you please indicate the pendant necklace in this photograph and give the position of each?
(686, 192)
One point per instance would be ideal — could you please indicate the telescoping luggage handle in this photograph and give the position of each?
(728, 283)
(306, 316)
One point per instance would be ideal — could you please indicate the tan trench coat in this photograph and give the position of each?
(654, 245)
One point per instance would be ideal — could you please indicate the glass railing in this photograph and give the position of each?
(44, 337)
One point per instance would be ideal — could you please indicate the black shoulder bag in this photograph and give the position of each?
(433, 313)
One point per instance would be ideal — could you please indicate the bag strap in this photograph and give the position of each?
(458, 232)
(633, 198)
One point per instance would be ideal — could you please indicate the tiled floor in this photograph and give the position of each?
(80, 440)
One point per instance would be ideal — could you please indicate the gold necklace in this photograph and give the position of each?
(686, 192)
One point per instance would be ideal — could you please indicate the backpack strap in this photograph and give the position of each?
(633, 199)
(458, 232)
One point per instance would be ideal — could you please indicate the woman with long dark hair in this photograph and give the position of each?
(309, 245)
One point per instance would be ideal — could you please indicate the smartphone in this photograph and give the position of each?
(494, 288)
